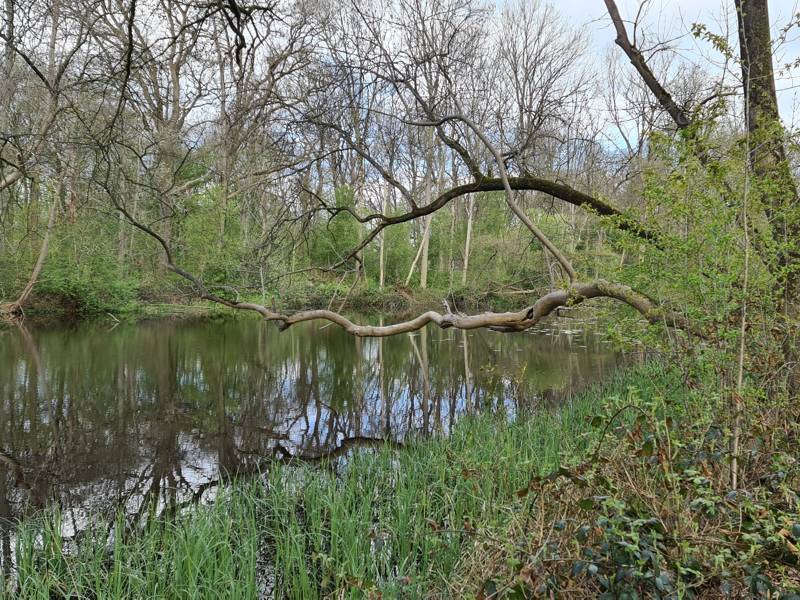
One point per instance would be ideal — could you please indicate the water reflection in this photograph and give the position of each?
(92, 419)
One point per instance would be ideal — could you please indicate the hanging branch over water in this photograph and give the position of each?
(504, 322)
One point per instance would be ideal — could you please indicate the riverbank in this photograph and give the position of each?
(52, 308)
(620, 491)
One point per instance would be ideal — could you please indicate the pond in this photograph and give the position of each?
(93, 417)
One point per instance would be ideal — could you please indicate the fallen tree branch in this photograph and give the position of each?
(543, 239)
(503, 322)
(521, 320)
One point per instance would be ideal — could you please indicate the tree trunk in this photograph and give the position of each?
(772, 178)
(768, 162)
(422, 251)
(382, 253)
(224, 134)
(423, 266)
(122, 233)
(425, 234)
(470, 212)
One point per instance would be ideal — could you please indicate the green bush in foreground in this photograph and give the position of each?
(614, 494)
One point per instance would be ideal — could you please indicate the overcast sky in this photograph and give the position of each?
(672, 18)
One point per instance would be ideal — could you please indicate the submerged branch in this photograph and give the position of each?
(283, 455)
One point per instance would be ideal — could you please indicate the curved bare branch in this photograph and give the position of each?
(504, 321)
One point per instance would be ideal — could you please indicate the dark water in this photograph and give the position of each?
(93, 417)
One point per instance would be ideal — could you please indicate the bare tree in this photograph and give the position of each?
(53, 74)
(443, 110)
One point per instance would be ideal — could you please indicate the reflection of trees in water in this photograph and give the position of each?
(160, 411)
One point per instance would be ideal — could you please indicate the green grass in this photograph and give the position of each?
(394, 521)
(398, 522)
(208, 553)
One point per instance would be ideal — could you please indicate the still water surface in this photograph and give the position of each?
(93, 417)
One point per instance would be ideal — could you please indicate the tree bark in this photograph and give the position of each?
(772, 172)
(637, 60)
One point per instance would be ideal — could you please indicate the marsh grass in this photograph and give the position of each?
(398, 522)
(395, 522)
(206, 553)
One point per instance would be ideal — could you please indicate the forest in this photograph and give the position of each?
(209, 209)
